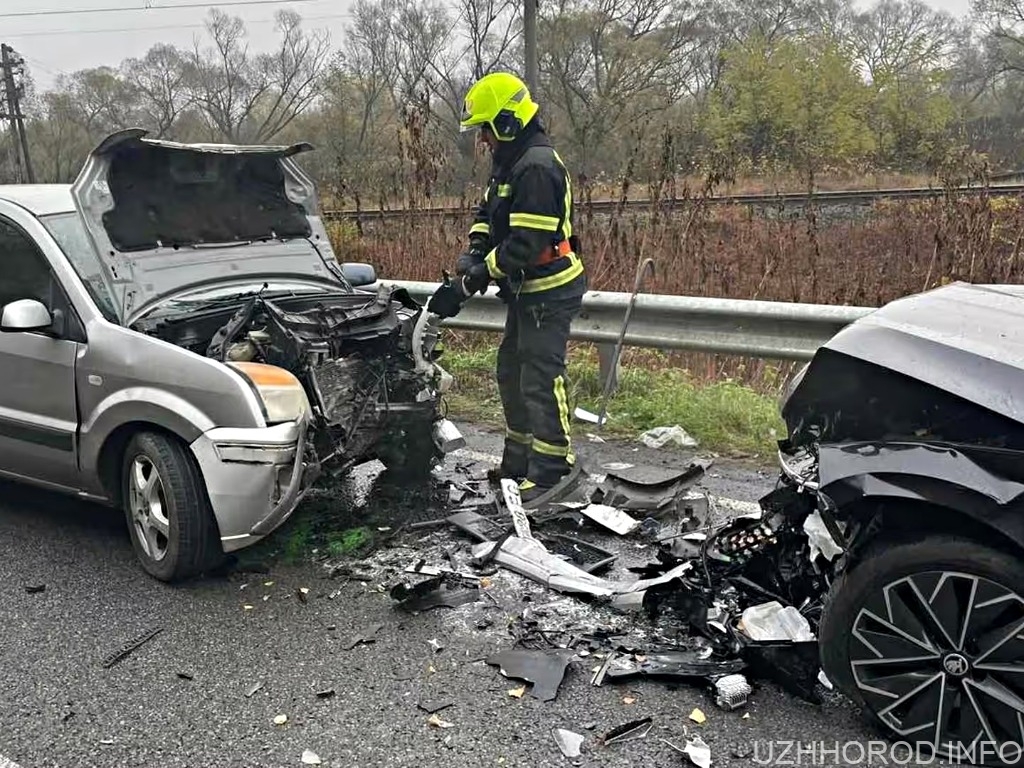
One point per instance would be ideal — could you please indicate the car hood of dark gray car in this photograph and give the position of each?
(165, 216)
(944, 364)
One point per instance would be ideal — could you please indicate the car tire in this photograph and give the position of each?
(169, 519)
(929, 632)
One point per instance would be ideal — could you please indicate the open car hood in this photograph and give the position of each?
(165, 216)
(947, 364)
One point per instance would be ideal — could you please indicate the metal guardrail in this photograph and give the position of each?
(841, 197)
(764, 329)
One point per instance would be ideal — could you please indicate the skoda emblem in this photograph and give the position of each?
(956, 665)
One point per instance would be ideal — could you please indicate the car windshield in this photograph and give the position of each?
(70, 233)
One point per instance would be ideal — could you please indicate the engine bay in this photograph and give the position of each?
(353, 353)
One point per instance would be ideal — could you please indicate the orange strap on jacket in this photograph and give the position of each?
(551, 254)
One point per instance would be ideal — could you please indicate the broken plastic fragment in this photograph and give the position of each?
(568, 742)
(659, 437)
(772, 622)
(280, 719)
(436, 645)
(823, 679)
(629, 700)
(35, 589)
(435, 705)
(545, 669)
(819, 538)
(631, 731)
(612, 519)
(517, 693)
(586, 416)
(310, 758)
(698, 752)
(514, 502)
(437, 722)
(675, 664)
(698, 717)
(252, 689)
(368, 635)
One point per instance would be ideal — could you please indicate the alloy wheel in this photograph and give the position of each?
(149, 508)
(939, 657)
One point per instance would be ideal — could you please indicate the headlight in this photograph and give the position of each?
(282, 394)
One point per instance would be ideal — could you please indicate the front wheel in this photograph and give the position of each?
(928, 637)
(169, 518)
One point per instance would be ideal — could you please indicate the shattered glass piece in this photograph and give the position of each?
(613, 519)
(731, 691)
(545, 669)
(568, 742)
(631, 731)
(771, 622)
(310, 758)
(687, 664)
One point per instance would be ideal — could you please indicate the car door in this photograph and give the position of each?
(38, 405)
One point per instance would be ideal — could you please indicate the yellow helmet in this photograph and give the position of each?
(501, 101)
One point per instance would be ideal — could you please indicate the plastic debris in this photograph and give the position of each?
(510, 492)
(611, 518)
(698, 717)
(675, 664)
(568, 742)
(586, 416)
(698, 752)
(252, 689)
(823, 679)
(627, 700)
(130, 646)
(659, 437)
(35, 589)
(731, 691)
(436, 645)
(446, 590)
(185, 676)
(368, 635)
(280, 719)
(631, 731)
(545, 669)
(819, 538)
(517, 693)
(771, 622)
(435, 705)
(326, 693)
(437, 722)
(310, 758)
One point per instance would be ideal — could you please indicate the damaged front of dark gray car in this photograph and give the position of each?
(904, 467)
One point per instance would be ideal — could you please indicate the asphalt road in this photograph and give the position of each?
(60, 707)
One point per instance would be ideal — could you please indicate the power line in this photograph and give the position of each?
(69, 11)
(164, 27)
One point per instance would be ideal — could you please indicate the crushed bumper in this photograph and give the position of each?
(255, 478)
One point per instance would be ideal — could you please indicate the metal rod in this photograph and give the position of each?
(645, 266)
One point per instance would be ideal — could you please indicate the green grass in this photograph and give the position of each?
(724, 416)
(345, 543)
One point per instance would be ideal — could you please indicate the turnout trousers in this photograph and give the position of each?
(534, 392)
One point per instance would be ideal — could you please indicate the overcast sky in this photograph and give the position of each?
(55, 40)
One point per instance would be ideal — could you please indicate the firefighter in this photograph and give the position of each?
(522, 239)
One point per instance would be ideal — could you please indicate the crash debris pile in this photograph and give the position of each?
(717, 602)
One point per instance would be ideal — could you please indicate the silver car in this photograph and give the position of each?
(177, 338)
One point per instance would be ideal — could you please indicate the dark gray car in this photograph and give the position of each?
(178, 338)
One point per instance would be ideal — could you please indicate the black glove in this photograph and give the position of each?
(476, 279)
(447, 300)
(468, 260)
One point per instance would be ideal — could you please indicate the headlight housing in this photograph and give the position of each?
(281, 393)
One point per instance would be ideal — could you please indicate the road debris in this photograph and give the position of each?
(698, 717)
(611, 518)
(185, 676)
(35, 589)
(659, 437)
(446, 590)
(568, 742)
(368, 635)
(545, 669)
(437, 722)
(325, 693)
(731, 692)
(130, 646)
(310, 758)
(631, 731)
(252, 689)
(517, 693)
(280, 719)
(432, 706)
(698, 752)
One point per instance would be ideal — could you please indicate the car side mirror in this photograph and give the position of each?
(359, 274)
(25, 315)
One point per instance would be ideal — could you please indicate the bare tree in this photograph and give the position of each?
(903, 37)
(253, 98)
(160, 80)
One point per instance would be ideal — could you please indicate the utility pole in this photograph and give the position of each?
(8, 64)
(530, 44)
